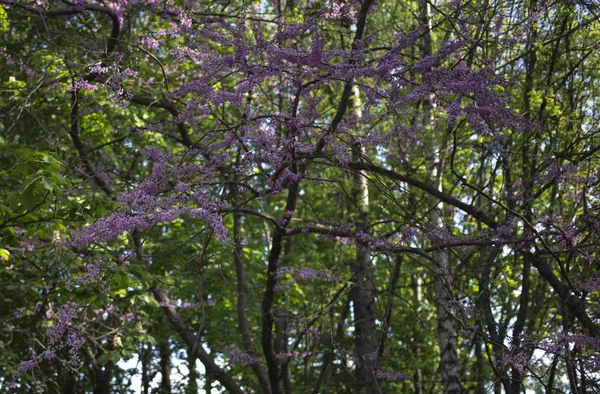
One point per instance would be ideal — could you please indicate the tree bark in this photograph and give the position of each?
(362, 293)
(146, 359)
(269, 295)
(418, 295)
(164, 351)
(480, 388)
(192, 386)
(449, 364)
(103, 377)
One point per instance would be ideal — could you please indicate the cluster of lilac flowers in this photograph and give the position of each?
(94, 271)
(55, 334)
(147, 207)
(287, 216)
(305, 273)
(21, 64)
(82, 84)
(391, 376)
(239, 357)
(294, 354)
(518, 360)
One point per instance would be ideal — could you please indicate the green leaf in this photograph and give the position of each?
(28, 199)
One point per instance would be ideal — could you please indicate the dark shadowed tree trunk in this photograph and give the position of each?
(192, 386)
(165, 367)
(146, 365)
(103, 377)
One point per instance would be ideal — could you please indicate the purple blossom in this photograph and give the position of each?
(239, 357)
(425, 65)
(65, 317)
(518, 360)
(82, 84)
(304, 273)
(94, 273)
(391, 376)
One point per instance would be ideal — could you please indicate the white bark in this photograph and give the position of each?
(363, 291)
(449, 364)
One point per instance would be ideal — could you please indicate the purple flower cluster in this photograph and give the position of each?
(391, 376)
(294, 354)
(82, 84)
(74, 342)
(239, 357)
(519, 361)
(305, 273)
(93, 273)
(287, 216)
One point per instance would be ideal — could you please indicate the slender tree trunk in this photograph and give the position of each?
(208, 384)
(362, 292)
(192, 386)
(146, 359)
(418, 295)
(165, 367)
(449, 365)
(281, 346)
(550, 385)
(480, 365)
(69, 383)
(496, 333)
(104, 375)
(287, 379)
(528, 165)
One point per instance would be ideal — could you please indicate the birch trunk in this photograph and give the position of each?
(418, 295)
(449, 365)
(363, 291)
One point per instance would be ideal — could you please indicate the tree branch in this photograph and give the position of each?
(189, 338)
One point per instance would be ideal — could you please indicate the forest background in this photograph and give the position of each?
(299, 196)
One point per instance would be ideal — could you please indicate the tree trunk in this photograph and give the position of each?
(165, 367)
(362, 292)
(418, 295)
(385, 332)
(480, 365)
(192, 386)
(449, 365)
(69, 383)
(103, 377)
(146, 359)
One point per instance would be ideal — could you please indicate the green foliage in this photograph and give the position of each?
(51, 187)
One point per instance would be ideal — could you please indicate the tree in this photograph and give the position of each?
(322, 196)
